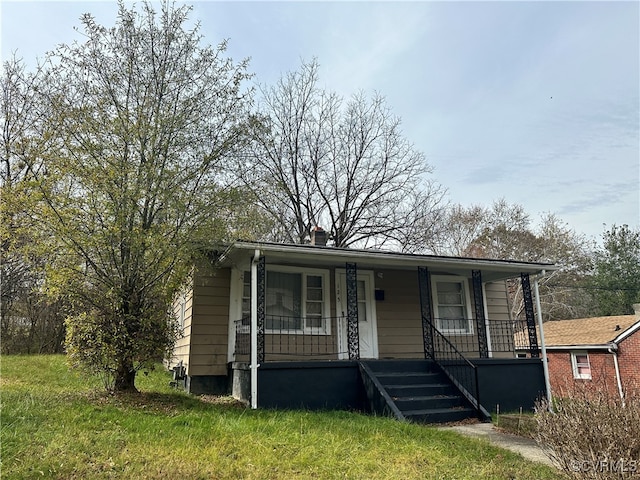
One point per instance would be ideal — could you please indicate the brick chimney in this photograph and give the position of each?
(318, 237)
(636, 309)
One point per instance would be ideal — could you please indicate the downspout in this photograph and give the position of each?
(543, 346)
(254, 330)
(618, 379)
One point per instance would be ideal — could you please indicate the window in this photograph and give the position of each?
(296, 300)
(452, 305)
(580, 365)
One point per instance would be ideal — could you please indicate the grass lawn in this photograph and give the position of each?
(56, 424)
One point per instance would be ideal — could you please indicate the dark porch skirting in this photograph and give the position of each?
(206, 384)
(321, 385)
(338, 385)
(511, 383)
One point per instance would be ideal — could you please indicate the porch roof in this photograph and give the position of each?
(323, 256)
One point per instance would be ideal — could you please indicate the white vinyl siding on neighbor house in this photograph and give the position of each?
(580, 365)
(452, 305)
(296, 299)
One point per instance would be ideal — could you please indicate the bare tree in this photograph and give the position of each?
(505, 231)
(318, 160)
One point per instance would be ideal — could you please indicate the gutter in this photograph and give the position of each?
(599, 346)
(383, 258)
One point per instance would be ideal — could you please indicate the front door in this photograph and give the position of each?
(367, 329)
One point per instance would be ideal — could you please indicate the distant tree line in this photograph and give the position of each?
(127, 156)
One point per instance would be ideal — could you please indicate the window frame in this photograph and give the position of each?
(464, 281)
(575, 365)
(325, 302)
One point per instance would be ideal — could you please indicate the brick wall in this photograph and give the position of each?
(629, 363)
(603, 374)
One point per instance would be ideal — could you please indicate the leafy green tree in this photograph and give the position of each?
(143, 119)
(616, 275)
(30, 321)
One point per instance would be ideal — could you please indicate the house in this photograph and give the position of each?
(600, 354)
(420, 337)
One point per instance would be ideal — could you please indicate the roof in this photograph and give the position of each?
(295, 254)
(595, 332)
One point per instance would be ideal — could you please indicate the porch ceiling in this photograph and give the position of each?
(289, 254)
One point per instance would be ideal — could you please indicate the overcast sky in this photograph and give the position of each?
(534, 102)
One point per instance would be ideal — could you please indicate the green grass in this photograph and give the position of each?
(56, 424)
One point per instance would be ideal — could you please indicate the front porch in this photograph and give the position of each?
(286, 351)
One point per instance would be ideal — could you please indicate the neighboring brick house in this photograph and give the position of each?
(601, 353)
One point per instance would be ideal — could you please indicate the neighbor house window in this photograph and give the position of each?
(580, 365)
(452, 305)
(296, 300)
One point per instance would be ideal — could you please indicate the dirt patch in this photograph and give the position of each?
(225, 400)
(521, 425)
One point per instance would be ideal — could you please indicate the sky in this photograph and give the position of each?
(537, 103)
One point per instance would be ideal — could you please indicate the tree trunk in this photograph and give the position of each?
(125, 378)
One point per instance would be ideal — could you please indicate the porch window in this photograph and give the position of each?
(580, 365)
(452, 305)
(296, 300)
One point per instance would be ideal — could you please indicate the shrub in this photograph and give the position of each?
(591, 435)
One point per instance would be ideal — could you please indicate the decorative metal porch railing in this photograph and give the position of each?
(505, 338)
(288, 337)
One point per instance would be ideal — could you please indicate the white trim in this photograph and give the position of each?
(486, 319)
(575, 365)
(371, 303)
(629, 331)
(464, 281)
(235, 309)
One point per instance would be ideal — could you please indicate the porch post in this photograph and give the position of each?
(478, 300)
(261, 310)
(529, 315)
(426, 311)
(353, 338)
(255, 322)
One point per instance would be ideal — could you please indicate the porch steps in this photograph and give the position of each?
(415, 390)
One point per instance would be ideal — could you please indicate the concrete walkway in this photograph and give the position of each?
(527, 447)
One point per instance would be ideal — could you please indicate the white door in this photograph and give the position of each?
(367, 329)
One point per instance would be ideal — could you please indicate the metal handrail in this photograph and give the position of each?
(471, 392)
